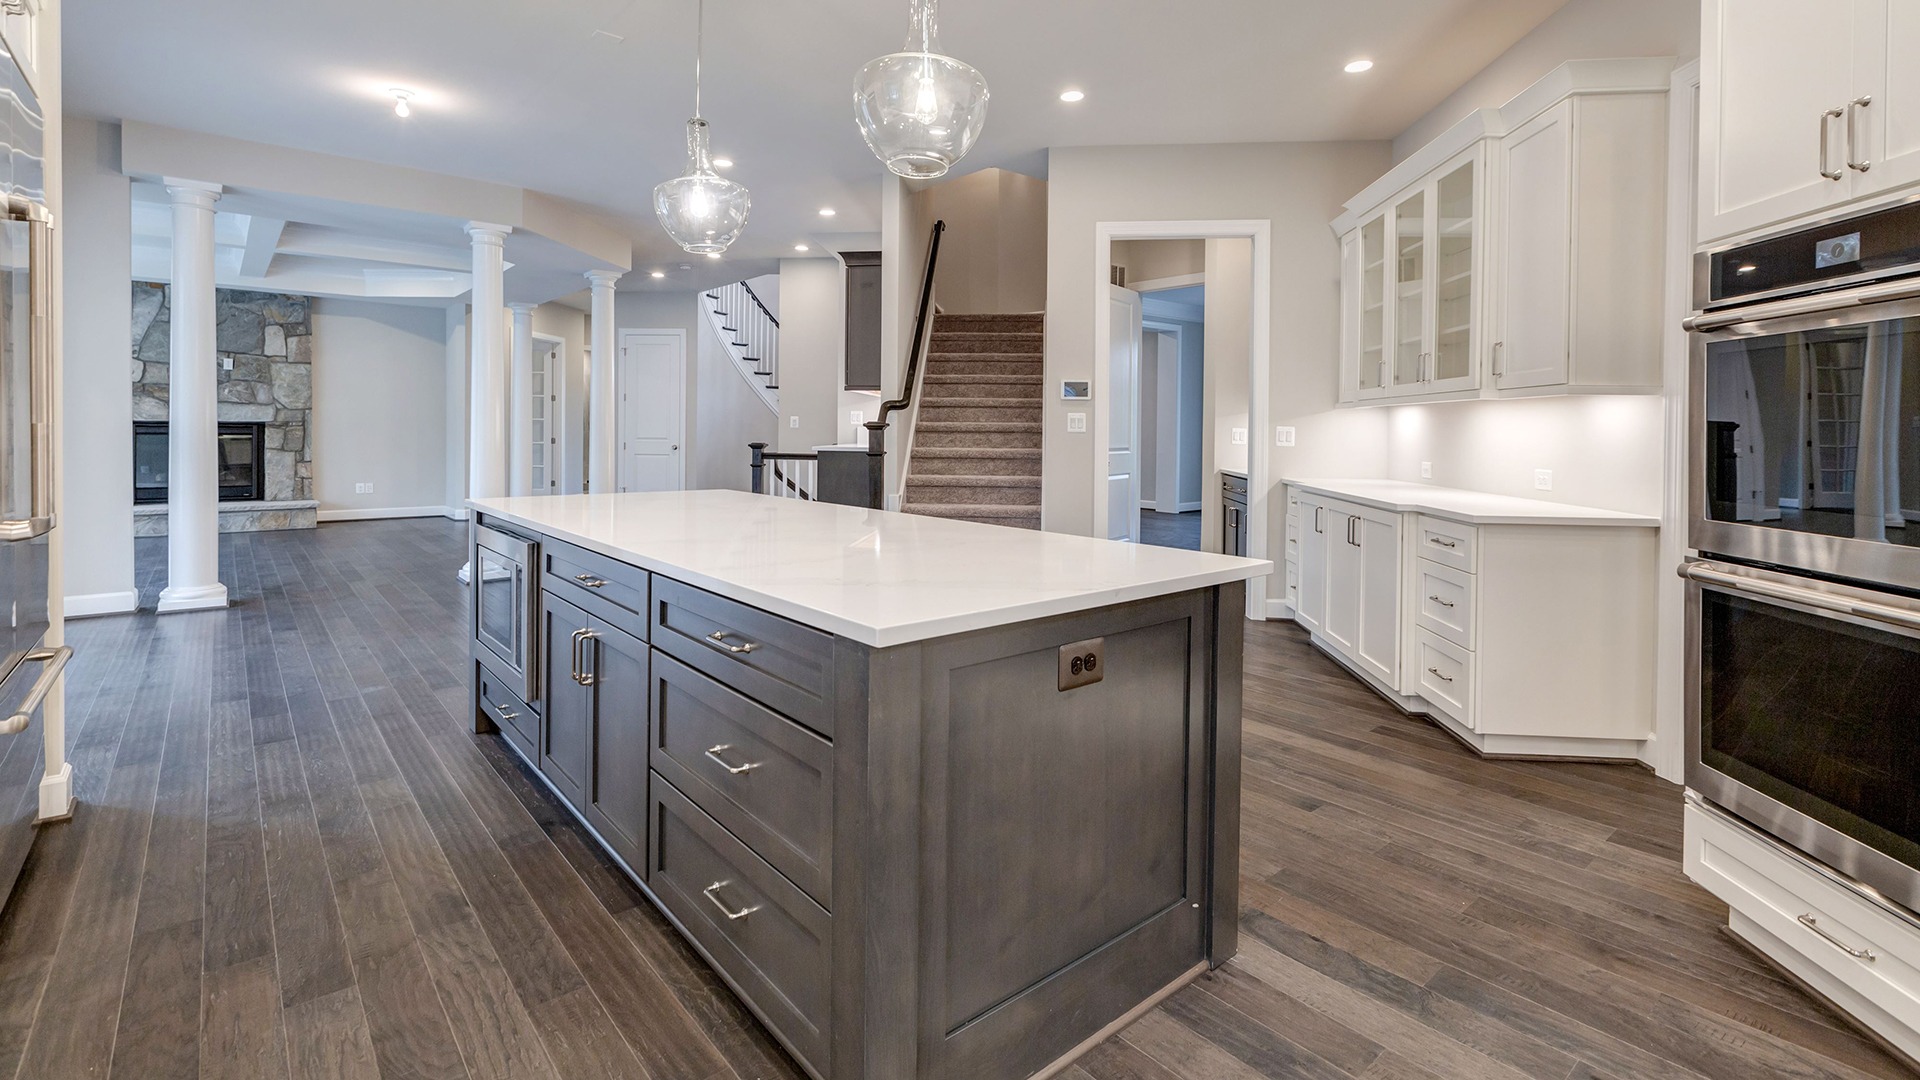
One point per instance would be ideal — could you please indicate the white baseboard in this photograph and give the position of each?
(106, 603)
(1279, 609)
(1190, 507)
(382, 513)
(1789, 504)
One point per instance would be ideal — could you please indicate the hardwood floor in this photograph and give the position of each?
(1170, 530)
(292, 859)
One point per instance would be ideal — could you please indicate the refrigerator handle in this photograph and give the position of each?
(56, 661)
(40, 371)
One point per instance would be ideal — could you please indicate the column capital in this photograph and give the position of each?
(485, 232)
(604, 278)
(192, 192)
(522, 308)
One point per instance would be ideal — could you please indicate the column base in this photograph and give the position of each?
(192, 598)
(56, 796)
(466, 572)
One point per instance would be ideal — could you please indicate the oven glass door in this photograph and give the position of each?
(1807, 445)
(1818, 712)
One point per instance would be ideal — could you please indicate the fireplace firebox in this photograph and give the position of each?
(242, 462)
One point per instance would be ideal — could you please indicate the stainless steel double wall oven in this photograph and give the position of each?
(1804, 599)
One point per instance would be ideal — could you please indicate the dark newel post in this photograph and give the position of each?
(876, 465)
(759, 467)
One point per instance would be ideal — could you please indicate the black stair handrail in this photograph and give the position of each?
(877, 427)
(755, 297)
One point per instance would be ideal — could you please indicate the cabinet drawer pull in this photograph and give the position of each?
(1443, 542)
(1437, 673)
(577, 676)
(508, 715)
(722, 904)
(1813, 924)
(1442, 603)
(714, 753)
(718, 639)
(590, 581)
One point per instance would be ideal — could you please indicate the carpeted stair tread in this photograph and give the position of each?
(976, 453)
(1018, 517)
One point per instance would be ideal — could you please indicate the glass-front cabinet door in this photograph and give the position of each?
(1456, 288)
(1412, 256)
(1372, 300)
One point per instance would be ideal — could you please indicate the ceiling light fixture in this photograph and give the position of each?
(702, 210)
(658, 274)
(400, 100)
(827, 211)
(713, 254)
(919, 110)
(801, 247)
(1355, 67)
(1072, 96)
(723, 163)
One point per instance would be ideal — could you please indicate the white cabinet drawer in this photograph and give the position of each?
(1443, 672)
(1449, 543)
(1851, 941)
(1293, 581)
(1444, 601)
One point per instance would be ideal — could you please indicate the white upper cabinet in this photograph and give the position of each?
(1530, 342)
(1806, 106)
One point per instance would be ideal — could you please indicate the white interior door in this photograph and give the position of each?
(1123, 417)
(649, 378)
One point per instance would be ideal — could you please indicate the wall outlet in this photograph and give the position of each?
(1426, 470)
(226, 363)
(1076, 422)
(363, 489)
(859, 418)
(1239, 436)
(1283, 436)
(1543, 479)
(793, 421)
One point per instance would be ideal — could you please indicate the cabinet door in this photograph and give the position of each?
(1456, 346)
(1311, 612)
(1412, 275)
(568, 720)
(1377, 639)
(1344, 570)
(1771, 72)
(617, 806)
(1883, 139)
(1372, 339)
(1536, 251)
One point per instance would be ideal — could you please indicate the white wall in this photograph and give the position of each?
(993, 256)
(723, 413)
(1582, 30)
(459, 407)
(374, 368)
(96, 431)
(813, 334)
(1299, 187)
(1153, 260)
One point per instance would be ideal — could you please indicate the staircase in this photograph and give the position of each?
(749, 335)
(976, 444)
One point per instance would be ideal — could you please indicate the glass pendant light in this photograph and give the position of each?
(702, 210)
(920, 110)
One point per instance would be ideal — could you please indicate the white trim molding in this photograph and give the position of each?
(382, 513)
(1260, 363)
(88, 605)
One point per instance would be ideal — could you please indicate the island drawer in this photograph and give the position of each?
(600, 586)
(758, 928)
(766, 778)
(775, 661)
(520, 724)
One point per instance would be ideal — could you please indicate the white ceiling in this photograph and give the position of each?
(525, 93)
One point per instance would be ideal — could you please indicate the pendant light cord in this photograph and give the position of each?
(699, 51)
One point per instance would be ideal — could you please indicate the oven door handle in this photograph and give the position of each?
(1708, 321)
(1706, 574)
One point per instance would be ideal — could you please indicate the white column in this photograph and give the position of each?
(520, 424)
(603, 459)
(487, 429)
(193, 426)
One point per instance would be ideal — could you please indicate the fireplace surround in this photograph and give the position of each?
(242, 458)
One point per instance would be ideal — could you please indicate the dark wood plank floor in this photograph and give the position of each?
(1170, 530)
(293, 860)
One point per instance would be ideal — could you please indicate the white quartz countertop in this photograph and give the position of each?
(1468, 507)
(874, 576)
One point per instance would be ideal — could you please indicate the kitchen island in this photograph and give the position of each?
(937, 799)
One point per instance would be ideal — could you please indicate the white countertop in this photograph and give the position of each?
(874, 576)
(1468, 507)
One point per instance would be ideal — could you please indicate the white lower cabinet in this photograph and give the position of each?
(1533, 640)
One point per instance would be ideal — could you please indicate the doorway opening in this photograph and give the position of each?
(1170, 278)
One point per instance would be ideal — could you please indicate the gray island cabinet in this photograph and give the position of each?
(938, 800)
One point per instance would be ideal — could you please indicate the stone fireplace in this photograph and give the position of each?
(265, 347)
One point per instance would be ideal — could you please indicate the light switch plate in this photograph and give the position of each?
(1543, 479)
(1239, 436)
(1077, 422)
(1283, 436)
(793, 421)
(1426, 470)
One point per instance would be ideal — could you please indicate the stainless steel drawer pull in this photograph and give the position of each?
(1856, 160)
(722, 904)
(1813, 924)
(1442, 603)
(714, 753)
(1437, 673)
(509, 715)
(1442, 542)
(1826, 150)
(718, 639)
(56, 661)
(590, 581)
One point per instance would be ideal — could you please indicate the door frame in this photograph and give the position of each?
(1133, 406)
(1259, 367)
(557, 408)
(625, 334)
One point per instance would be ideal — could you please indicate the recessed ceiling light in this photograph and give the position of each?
(801, 247)
(713, 254)
(400, 99)
(1355, 67)
(1071, 96)
(827, 211)
(658, 274)
(723, 163)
